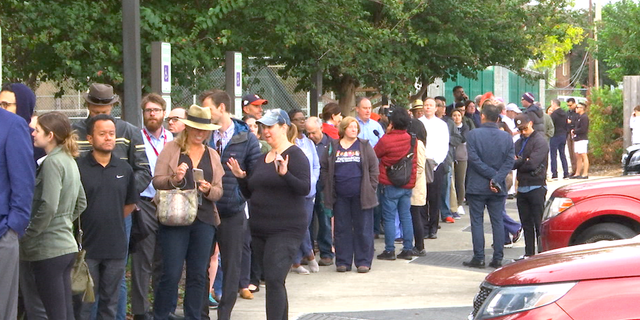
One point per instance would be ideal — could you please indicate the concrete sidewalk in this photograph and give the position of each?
(410, 288)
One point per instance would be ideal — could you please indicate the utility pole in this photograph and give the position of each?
(595, 39)
(591, 62)
(131, 62)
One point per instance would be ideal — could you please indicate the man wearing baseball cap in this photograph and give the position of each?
(252, 105)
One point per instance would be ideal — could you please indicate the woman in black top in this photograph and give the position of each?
(276, 189)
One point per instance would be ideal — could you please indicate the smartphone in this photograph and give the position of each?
(198, 175)
(278, 161)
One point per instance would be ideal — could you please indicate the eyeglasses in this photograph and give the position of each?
(6, 105)
(172, 119)
(153, 110)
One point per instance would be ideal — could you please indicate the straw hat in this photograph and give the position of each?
(199, 118)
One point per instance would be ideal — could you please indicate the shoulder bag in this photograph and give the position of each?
(81, 281)
(176, 207)
(399, 174)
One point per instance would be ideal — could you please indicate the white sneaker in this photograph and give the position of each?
(461, 211)
(313, 266)
(300, 270)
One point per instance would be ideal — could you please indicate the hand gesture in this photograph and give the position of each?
(282, 165)
(182, 170)
(204, 186)
(235, 168)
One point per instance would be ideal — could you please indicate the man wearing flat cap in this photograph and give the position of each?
(252, 105)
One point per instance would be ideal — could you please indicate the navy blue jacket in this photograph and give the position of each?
(491, 157)
(17, 173)
(245, 148)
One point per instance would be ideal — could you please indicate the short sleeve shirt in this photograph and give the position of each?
(108, 190)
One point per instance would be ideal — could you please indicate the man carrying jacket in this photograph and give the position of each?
(232, 140)
(531, 159)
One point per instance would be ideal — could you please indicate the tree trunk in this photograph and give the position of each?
(347, 95)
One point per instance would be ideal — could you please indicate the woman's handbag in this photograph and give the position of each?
(81, 281)
(176, 207)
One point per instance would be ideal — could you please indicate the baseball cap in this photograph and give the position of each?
(521, 120)
(273, 116)
(513, 107)
(253, 99)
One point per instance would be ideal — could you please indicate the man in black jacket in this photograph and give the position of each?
(232, 140)
(559, 139)
(533, 110)
(531, 158)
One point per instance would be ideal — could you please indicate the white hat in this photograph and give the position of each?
(513, 107)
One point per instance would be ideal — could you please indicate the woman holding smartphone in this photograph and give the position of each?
(188, 163)
(276, 189)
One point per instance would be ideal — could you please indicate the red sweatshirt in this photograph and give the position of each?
(392, 147)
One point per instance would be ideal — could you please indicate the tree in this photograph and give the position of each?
(618, 45)
(386, 45)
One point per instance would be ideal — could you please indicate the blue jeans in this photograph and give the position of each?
(556, 145)
(510, 226)
(495, 205)
(353, 232)
(325, 234)
(179, 244)
(306, 247)
(445, 193)
(396, 202)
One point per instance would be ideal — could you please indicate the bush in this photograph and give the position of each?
(605, 126)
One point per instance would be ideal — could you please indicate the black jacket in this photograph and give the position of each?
(536, 116)
(129, 147)
(582, 128)
(559, 118)
(532, 159)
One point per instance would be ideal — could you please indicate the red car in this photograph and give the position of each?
(591, 281)
(590, 211)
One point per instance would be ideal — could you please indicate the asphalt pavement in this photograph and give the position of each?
(433, 287)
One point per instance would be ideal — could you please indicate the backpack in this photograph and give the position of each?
(399, 174)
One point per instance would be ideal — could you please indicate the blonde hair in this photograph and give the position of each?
(181, 140)
(342, 127)
(292, 133)
(58, 123)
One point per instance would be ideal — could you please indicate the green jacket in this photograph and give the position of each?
(58, 200)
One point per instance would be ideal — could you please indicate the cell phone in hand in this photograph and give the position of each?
(198, 175)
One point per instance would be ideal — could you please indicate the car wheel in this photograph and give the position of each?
(606, 231)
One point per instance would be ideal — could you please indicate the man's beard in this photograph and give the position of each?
(153, 125)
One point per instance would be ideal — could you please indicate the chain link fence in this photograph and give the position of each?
(265, 82)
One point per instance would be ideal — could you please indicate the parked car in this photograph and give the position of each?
(590, 211)
(631, 160)
(591, 281)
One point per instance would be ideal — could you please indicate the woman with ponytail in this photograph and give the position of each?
(48, 247)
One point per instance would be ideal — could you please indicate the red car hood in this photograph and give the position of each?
(605, 259)
(625, 185)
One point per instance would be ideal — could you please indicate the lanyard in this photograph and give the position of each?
(146, 134)
(524, 144)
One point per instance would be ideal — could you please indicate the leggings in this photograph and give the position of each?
(53, 282)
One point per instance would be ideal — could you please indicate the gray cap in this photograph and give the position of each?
(273, 116)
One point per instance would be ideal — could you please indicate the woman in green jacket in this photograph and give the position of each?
(48, 244)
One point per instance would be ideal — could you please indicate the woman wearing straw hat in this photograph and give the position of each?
(174, 169)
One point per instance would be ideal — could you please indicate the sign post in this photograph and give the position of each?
(233, 81)
(161, 71)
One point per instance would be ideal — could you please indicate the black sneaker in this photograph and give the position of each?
(418, 253)
(473, 263)
(405, 254)
(495, 264)
(387, 255)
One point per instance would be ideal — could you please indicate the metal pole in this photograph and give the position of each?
(315, 94)
(131, 62)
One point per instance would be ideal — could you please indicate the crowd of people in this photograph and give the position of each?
(277, 192)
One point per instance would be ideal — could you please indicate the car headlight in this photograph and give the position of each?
(507, 300)
(556, 206)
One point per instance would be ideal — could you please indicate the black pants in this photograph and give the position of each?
(53, 282)
(418, 225)
(230, 238)
(431, 217)
(530, 209)
(276, 253)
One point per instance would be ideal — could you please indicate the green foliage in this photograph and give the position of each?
(618, 42)
(605, 126)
